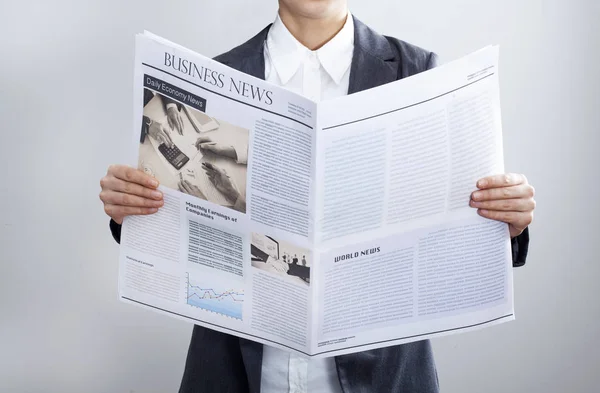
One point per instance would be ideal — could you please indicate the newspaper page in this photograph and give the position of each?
(323, 228)
(400, 255)
(231, 247)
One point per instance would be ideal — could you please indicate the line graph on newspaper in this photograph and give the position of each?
(215, 297)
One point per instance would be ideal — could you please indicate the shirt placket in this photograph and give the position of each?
(311, 78)
(298, 374)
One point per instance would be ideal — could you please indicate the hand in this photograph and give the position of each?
(205, 143)
(507, 198)
(158, 131)
(189, 188)
(127, 191)
(222, 181)
(174, 119)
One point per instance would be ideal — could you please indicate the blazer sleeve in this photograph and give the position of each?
(115, 229)
(520, 247)
(432, 61)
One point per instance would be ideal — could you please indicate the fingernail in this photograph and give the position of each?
(477, 195)
(481, 183)
(153, 183)
(474, 204)
(153, 210)
(157, 203)
(482, 212)
(156, 194)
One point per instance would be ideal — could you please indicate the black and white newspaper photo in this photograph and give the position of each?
(187, 150)
(282, 258)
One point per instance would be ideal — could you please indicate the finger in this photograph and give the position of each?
(122, 199)
(214, 168)
(513, 192)
(519, 205)
(209, 147)
(170, 121)
(111, 183)
(504, 180)
(184, 186)
(133, 175)
(161, 139)
(519, 220)
(187, 186)
(203, 139)
(168, 139)
(180, 121)
(117, 211)
(221, 171)
(178, 127)
(197, 190)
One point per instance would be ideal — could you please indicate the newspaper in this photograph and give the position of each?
(321, 228)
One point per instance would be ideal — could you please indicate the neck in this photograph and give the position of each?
(312, 32)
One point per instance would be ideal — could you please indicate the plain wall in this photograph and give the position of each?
(66, 107)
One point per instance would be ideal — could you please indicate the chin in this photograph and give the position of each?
(314, 9)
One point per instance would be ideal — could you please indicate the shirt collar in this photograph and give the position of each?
(287, 53)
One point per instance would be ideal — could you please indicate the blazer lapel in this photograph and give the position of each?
(373, 61)
(249, 57)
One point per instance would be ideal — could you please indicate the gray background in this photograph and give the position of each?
(66, 103)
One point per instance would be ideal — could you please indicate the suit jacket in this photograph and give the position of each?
(222, 363)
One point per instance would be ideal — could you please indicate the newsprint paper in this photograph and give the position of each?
(321, 228)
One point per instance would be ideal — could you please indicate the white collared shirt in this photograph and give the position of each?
(318, 75)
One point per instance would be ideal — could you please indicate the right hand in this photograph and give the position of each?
(159, 132)
(205, 143)
(128, 191)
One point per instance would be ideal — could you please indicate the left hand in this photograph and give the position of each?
(222, 181)
(191, 189)
(207, 144)
(507, 198)
(175, 120)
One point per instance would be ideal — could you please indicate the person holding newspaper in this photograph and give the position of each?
(317, 48)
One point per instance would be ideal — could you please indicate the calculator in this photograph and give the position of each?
(173, 155)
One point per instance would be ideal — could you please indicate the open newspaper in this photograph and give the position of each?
(322, 228)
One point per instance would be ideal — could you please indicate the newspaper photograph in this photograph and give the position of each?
(320, 228)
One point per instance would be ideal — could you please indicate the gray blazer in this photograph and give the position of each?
(222, 363)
